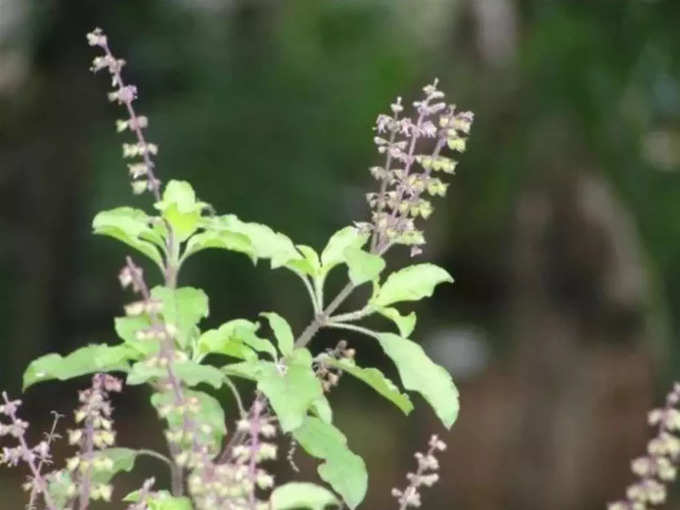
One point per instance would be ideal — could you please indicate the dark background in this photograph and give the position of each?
(562, 227)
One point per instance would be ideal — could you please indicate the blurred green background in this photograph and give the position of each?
(562, 227)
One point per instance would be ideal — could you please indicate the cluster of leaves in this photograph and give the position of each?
(162, 344)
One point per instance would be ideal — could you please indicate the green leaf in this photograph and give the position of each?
(343, 470)
(309, 264)
(296, 495)
(266, 243)
(282, 332)
(228, 339)
(182, 308)
(190, 372)
(322, 408)
(169, 503)
(405, 323)
(291, 389)
(209, 413)
(127, 329)
(363, 266)
(250, 369)
(180, 208)
(334, 252)
(419, 373)
(224, 240)
(410, 284)
(234, 338)
(59, 487)
(376, 380)
(86, 360)
(123, 460)
(132, 227)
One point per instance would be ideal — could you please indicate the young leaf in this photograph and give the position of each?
(180, 208)
(166, 502)
(334, 252)
(410, 284)
(209, 413)
(190, 372)
(282, 332)
(292, 389)
(376, 380)
(228, 339)
(405, 323)
(235, 338)
(86, 360)
(343, 470)
(363, 266)
(183, 308)
(266, 243)
(309, 264)
(297, 495)
(132, 227)
(419, 373)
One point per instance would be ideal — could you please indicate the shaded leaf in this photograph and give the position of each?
(376, 380)
(419, 373)
(343, 470)
(282, 332)
(190, 372)
(405, 323)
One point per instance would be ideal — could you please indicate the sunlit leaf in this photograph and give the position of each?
(182, 309)
(298, 495)
(181, 209)
(405, 323)
(86, 360)
(231, 338)
(410, 284)
(132, 227)
(334, 252)
(363, 266)
(188, 371)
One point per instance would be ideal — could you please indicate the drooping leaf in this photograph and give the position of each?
(298, 495)
(343, 470)
(132, 227)
(405, 323)
(190, 372)
(223, 239)
(419, 373)
(363, 266)
(182, 308)
(282, 332)
(266, 243)
(291, 389)
(334, 252)
(209, 413)
(181, 209)
(231, 339)
(250, 369)
(86, 360)
(410, 284)
(376, 380)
